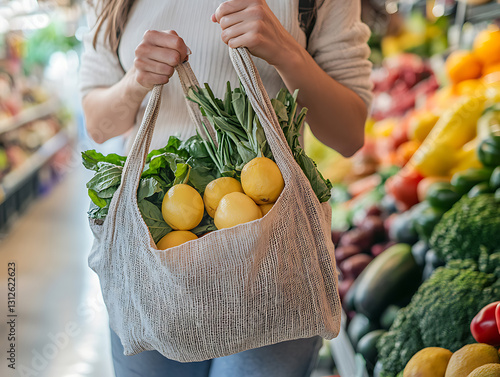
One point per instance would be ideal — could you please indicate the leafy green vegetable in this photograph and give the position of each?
(440, 313)
(195, 149)
(240, 137)
(104, 183)
(468, 225)
(201, 173)
(160, 166)
(173, 146)
(285, 106)
(148, 187)
(97, 213)
(154, 220)
(101, 203)
(206, 225)
(178, 162)
(181, 173)
(91, 158)
(107, 175)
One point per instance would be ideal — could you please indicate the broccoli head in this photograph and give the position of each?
(439, 314)
(468, 225)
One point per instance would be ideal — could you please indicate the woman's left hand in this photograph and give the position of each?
(252, 24)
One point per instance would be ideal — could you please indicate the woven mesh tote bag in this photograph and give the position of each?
(259, 283)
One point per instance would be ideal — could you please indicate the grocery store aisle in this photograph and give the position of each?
(61, 324)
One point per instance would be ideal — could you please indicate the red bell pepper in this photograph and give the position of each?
(497, 315)
(485, 327)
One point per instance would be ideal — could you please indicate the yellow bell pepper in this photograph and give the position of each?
(421, 124)
(436, 161)
(467, 157)
(440, 151)
(473, 88)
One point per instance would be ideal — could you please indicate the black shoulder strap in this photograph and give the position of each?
(307, 15)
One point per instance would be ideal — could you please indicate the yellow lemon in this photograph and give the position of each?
(487, 370)
(182, 207)
(262, 180)
(216, 190)
(265, 208)
(175, 238)
(428, 362)
(470, 357)
(236, 208)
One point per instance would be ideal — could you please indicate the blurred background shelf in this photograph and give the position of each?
(481, 13)
(30, 114)
(14, 180)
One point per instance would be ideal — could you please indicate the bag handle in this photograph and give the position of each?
(257, 94)
(188, 80)
(251, 81)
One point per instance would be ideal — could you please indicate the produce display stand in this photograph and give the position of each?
(432, 90)
(477, 13)
(30, 114)
(35, 127)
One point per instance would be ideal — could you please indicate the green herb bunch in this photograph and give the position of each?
(238, 129)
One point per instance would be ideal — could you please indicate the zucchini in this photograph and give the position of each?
(402, 229)
(389, 278)
(359, 326)
(348, 302)
(419, 250)
(388, 316)
(367, 347)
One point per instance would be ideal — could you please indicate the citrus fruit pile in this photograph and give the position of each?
(483, 60)
(225, 199)
(472, 360)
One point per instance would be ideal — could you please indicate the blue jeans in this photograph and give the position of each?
(295, 358)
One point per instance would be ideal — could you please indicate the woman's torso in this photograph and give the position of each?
(191, 19)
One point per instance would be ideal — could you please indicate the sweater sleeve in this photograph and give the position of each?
(99, 67)
(338, 43)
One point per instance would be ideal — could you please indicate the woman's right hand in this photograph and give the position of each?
(156, 57)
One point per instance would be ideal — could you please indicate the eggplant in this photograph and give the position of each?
(353, 266)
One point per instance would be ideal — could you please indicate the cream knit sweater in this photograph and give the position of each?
(337, 43)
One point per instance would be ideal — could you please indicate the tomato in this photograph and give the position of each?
(403, 187)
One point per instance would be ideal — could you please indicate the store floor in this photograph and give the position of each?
(61, 324)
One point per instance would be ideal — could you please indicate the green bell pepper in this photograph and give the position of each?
(480, 188)
(425, 217)
(442, 195)
(489, 151)
(495, 178)
(465, 180)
